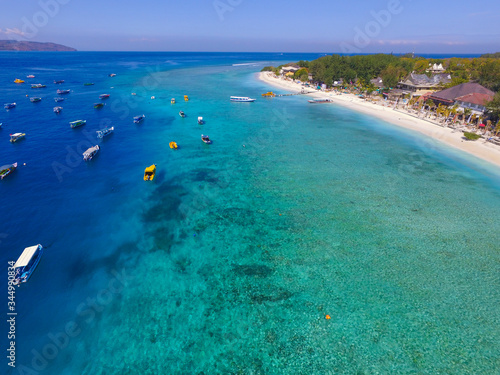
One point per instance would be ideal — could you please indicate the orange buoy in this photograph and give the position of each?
(328, 317)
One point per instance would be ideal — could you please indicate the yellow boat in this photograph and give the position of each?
(17, 80)
(186, 98)
(173, 145)
(172, 100)
(149, 173)
(269, 94)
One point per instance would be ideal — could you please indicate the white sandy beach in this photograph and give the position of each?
(479, 148)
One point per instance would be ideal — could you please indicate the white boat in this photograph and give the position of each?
(90, 153)
(63, 92)
(319, 101)
(58, 109)
(104, 132)
(16, 136)
(200, 120)
(27, 263)
(243, 99)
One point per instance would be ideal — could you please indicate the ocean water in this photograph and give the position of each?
(231, 259)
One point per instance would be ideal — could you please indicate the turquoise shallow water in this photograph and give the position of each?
(231, 259)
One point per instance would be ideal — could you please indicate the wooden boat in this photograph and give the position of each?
(172, 101)
(35, 99)
(98, 105)
(63, 92)
(30, 76)
(139, 119)
(104, 132)
(269, 94)
(200, 120)
(16, 136)
(91, 152)
(77, 123)
(103, 96)
(186, 98)
(182, 114)
(59, 82)
(58, 109)
(59, 99)
(27, 263)
(88, 84)
(5, 170)
(173, 145)
(149, 173)
(17, 80)
(206, 139)
(37, 86)
(9, 105)
(242, 99)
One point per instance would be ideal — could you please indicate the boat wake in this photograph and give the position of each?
(245, 64)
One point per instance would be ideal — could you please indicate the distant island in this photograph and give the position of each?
(16, 45)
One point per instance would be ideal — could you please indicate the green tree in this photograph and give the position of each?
(493, 106)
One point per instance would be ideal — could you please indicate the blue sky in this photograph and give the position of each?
(358, 26)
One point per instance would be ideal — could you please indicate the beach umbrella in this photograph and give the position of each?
(482, 125)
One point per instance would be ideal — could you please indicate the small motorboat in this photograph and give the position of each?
(77, 123)
(90, 153)
(9, 105)
(205, 139)
(172, 101)
(30, 76)
(242, 99)
(17, 80)
(59, 82)
(182, 114)
(173, 145)
(38, 86)
(149, 173)
(59, 99)
(200, 120)
(104, 132)
(112, 75)
(58, 109)
(88, 84)
(186, 98)
(63, 92)
(6, 170)
(153, 97)
(103, 96)
(139, 119)
(16, 136)
(98, 105)
(27, 263)
(35, 99)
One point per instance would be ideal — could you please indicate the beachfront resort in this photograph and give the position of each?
(459, 95)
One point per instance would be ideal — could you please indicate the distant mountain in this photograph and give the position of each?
(16, 45)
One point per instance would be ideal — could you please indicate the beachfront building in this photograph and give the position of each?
(436, 69)
(292, 68)
(421, 83)
(466, 95)
(377, 82)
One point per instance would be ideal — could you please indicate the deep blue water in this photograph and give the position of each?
(229, 261)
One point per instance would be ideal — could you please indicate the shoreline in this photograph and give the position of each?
(450, 137)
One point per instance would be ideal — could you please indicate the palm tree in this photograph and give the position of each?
(467, 113)
(497, 128)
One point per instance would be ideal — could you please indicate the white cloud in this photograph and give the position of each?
(14, 31)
